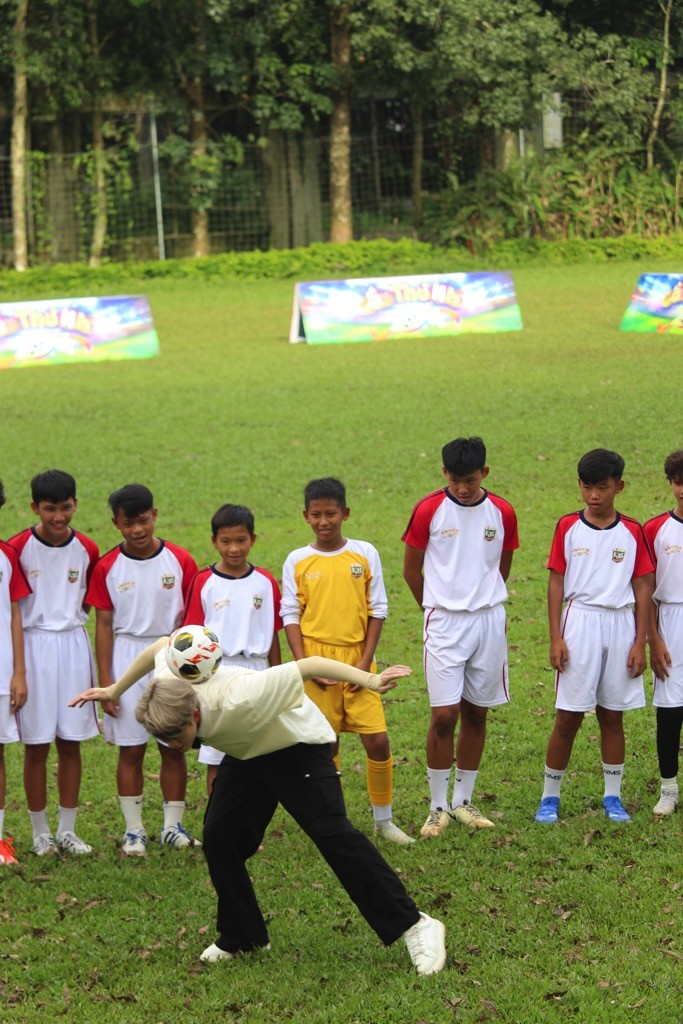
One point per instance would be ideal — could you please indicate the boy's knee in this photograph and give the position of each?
(444, 720)
(568, 723)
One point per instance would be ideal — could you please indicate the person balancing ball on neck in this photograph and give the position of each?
(278, 750)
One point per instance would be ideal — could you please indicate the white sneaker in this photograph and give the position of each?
(426, 942)
(134, 844)
(437, 822)
(468, 814)
(213, 953)
(69, 842)
(392, 833)
(44, 845)
(667, 803)
(178, 837)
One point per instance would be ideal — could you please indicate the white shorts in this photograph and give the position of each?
(669, 692)
(125, 730)
(9, 733)
(58, 666)
(598, 642)
(465, 655)
(211, 755)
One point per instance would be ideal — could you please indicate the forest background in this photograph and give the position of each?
(152, 128)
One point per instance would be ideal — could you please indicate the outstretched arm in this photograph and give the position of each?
(138, 668)
(335, 671)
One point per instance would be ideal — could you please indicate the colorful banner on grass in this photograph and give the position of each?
(76, 331)
(656, 304)
(378, 309)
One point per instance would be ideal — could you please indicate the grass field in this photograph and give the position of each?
(580, 922)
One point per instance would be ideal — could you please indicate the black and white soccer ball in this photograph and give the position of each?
(193, 653)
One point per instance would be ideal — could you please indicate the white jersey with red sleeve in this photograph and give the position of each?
(146, 595)
(664, 536)
(243, 612)
(599, 564)
(58, 576)
(463, 545)
(13, 587)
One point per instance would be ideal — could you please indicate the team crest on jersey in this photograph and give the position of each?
(124, 587)
(618, 554)
(73, 575)
(258, 601)
(446, 534)
(168, 582)
(356, 570)
(489, 533)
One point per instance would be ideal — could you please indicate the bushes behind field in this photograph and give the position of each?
(354, 259)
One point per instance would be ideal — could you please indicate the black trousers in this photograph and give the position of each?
(669, 723)
(305, 781)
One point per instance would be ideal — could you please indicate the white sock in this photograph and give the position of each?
(668, 786)
(131, 808)
(381, 814)
(39, 823)
(438, 787)
(173, 812)
(66, 822)
(613, 774)
(2, 820)
(463, 787)
(552, 780)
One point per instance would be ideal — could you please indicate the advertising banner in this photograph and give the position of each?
(76, 331)
(656, 304)
(384, 308)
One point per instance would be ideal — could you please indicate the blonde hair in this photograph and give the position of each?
(166, 707)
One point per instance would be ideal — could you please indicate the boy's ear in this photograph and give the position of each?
(484, 472)
(34, 508)
(155, 513)
(620, 486)
(345, 514)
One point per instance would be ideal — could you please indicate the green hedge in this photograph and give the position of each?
(354, 259)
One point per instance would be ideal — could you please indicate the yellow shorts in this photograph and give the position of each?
(346, 711)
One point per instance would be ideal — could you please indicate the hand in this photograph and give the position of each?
(324, 683)
(17, 692)
(390, 677)
(94, 693)
(660, 659)
(559, 655)
(636, 659)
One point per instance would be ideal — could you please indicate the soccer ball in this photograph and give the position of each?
(193, 653)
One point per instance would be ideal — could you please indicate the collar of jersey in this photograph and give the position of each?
(461, 504)
(674, 516)
(600, 529)
(149, 558)
(47, 543)
(224, 575)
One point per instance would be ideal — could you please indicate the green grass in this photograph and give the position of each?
(580, 922)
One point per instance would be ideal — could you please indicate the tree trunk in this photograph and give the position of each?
(200, 217)
(19, 121)
(341, 211)
(376, 164)
(418, 154)
(661, 98)
(100, 219)
(276, 192)
(297, 190)
(311, 172)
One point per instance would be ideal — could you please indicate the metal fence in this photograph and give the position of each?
(276, 195)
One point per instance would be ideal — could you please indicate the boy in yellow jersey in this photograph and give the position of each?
(334, 605)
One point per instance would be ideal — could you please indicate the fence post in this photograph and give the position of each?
(157, 183)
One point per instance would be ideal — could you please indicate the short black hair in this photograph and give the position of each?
(232, 515)
(53, 485)
(132, 500)
(2, 494)
(463, 456)
(325, 488)
(673, 466)
(600, 464)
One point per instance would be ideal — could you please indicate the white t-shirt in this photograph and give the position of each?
(598, 565)
(664, 536)
(58, 576)
(146, 595)
(247, 714)
(463, 545)
(244, 613)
